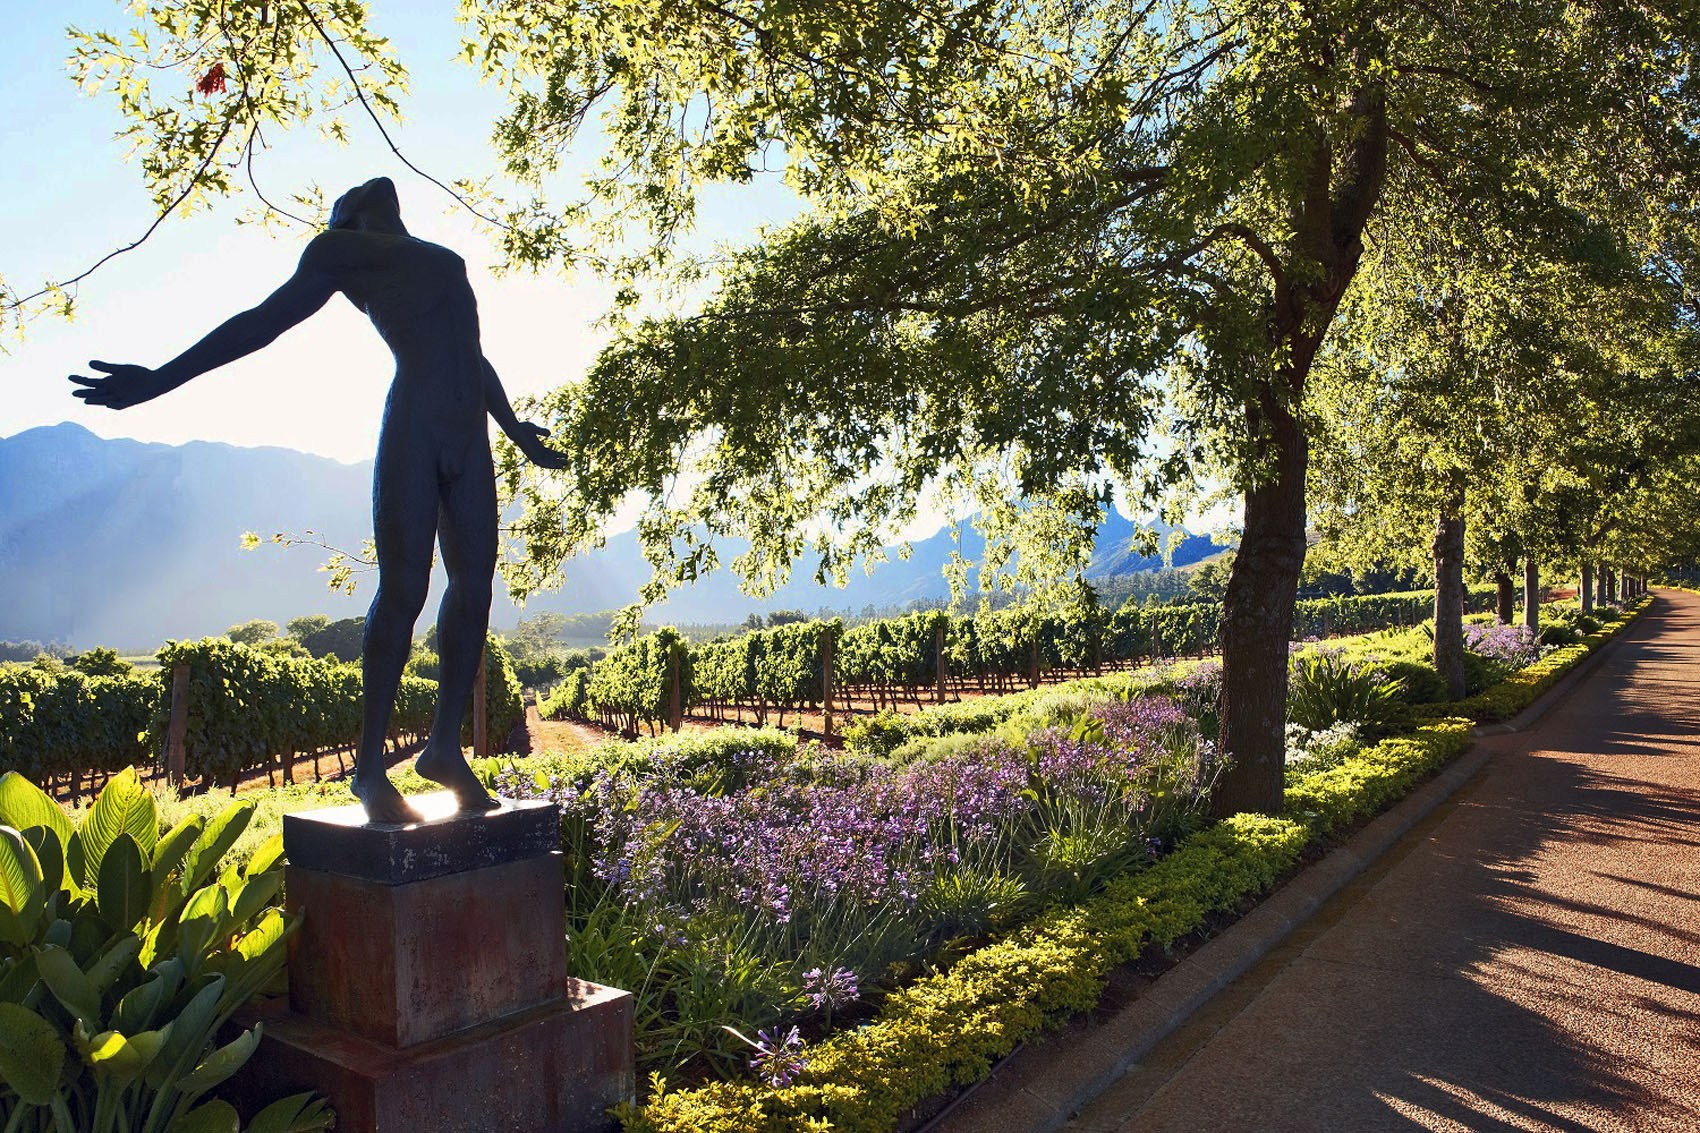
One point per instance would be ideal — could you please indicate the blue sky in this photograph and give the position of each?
(71, 197)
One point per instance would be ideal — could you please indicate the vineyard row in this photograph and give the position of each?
(820, 666)
(213, 711)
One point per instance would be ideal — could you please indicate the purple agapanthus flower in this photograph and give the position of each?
(829, 991)
(778, 1058)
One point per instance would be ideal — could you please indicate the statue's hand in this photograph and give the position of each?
(123, 386)
(529, 439)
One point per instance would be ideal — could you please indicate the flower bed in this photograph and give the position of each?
(740, 885)
(947, 1029)
(1519, 690)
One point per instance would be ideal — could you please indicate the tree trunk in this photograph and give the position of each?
(1449, 597)
(1602, 591)
(1585, 592)
(1257, 620)
(1532, 594)
(1507, 594)
(1611, 584)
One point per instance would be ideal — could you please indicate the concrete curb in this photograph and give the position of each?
(1040, 1087)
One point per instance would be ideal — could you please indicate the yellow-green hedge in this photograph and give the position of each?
(948, 1029)
(1520, 689)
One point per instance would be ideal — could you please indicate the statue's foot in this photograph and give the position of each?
(383, 802)
(449, 767)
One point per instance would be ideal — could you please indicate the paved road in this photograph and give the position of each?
(1528, 958)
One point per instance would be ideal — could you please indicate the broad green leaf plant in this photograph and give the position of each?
(123, 951)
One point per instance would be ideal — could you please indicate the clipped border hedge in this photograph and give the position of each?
(1522, 688)
(949, 1029)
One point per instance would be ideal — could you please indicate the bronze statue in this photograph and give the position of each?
(434, 478)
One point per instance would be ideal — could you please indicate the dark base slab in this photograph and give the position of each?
(413, 963)
(552, 1069)
(340, 840)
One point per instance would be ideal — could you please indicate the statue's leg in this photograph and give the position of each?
(404, 524)
(466, 533)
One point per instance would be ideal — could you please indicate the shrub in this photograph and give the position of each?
(1324, 690)
(122, 953)
(1418, 681)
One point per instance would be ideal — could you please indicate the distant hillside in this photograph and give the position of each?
(123, 543)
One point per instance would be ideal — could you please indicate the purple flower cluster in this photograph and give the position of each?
(1512, 645)
(778, 1059)
(829, 991)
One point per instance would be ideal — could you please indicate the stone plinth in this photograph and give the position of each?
(428, 985)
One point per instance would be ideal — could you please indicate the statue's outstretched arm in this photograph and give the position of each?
(306, 291)
(528, 437)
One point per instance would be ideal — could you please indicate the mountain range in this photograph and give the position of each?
(126, 543)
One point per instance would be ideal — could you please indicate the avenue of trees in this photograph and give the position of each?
(1421, 273)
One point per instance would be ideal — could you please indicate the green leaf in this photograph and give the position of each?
(268, 855)
(191, 1030)
(112, 1058)
(32, 1055)
(22, 894)
(220, 1064)
(113, 961)
(69, 984)
(255, 895)
(126, 889)
(124, 807)
(139, 1007)
(214, 1117)
(268, 934)
(298, 1113)
(20, 980)
(172, 848)
(203, 920)
(25, 806)
(215, 841)
(50, 852)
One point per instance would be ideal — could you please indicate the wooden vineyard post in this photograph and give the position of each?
(177, 730)
(480, 710)
(826, 660)
(943, 663)
(675, 692)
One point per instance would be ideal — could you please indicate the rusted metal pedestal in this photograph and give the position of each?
(427, 985)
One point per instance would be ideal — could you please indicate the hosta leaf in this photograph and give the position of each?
(214, 842)
(113, 961)
(113, 1059)
(50, 852)
(125, 888)
(190, 1031)
(268, 934)
(69, 984)
(264, 858)
(24, 805)
(124, 807)
(298, 1113)
(172, 849)
(203, 920)
(32, 1055)
(255, 895)
(213, 1117)
(22, 892)
(140, 1006)
(220, 1064)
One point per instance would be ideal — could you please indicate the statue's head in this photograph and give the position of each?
(372, 207)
